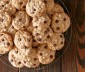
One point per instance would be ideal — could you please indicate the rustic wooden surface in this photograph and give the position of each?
(74, 58)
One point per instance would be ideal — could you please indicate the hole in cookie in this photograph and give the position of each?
(54, 45)
(26, 47)
(45, 22)
(48, 36)
(21, 3)
(45, 47)
(51, 56)
(58, 28)
(61, 36)
(37, 34)
(7, 2)
(8, 43)
(62, 42)
(64, 19)
(48, 29)
(45, 32)
(35, 59)
(41, 54)
(12, 27)
(19, 62)
(34, 9)
(57, 21)
(19, 39)
(28, 40)
(39, 39)
(24, 26)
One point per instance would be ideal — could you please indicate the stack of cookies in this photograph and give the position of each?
(31, 31)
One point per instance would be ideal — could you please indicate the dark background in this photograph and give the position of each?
(74, 58)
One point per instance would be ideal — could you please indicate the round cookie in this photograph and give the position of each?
(15, 58)
(56, 41)
(20, 20)
(12, 30)
(6, 42)
(56, 9)
(41, 22)
(45, 54)
(49, 4)
(23, 39)
(60, 22)
(6, 6)
(19, 4)
(35, 8)
(42, 36)
(5, 20)
(31, 60)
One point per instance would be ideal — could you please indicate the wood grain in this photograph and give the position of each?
(74, 58)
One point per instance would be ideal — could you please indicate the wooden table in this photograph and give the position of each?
(74, 58)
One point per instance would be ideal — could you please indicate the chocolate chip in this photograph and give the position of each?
(48, 29)
(20, 19)
(2, 5)
(19, 62)
(25, 47)
(12, 27)
(24, 26)
(57, 21)
(45, 1)
(24, 61)
(58, 28)
(61, 36)
(8, 43)
(46, 47)
(35, 59)
(21, 3)
(45, 22)
(48, 36)
(64, 19)
(16, 52)
(34, 64)
(51, 56)
(19, 39)
(36, 26)
(13, 16)
(34, 9)
(2, 39)
(24, 7)
(11, 60)
(41, 54)
(37, 34)
(54, 45)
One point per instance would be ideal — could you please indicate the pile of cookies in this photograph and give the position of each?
(31, 31)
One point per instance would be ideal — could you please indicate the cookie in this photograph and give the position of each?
(19, 4)
(56, 9)
(60, 22)
(5, 21)
(6, 42)
(42, 36)
(20, 20)
(56, 42)
(15, 58)
(35, 8)
(12, 30)
(31, 60)
(41, 22)
(6, 6)
(49, 4)
(23, 39)
(45, 54)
